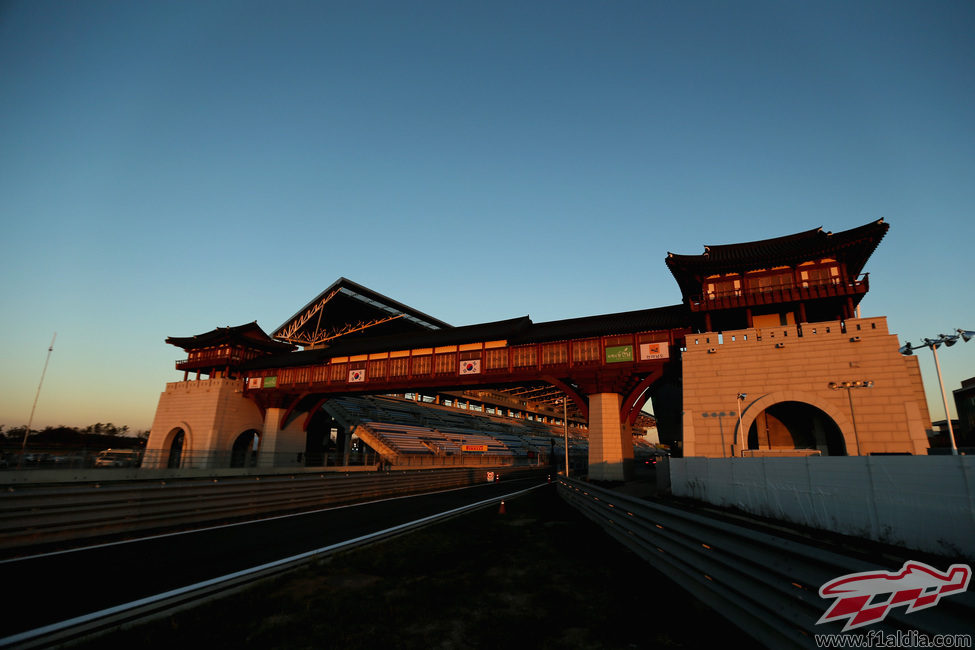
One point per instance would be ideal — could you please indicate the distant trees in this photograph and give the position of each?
(98, 435)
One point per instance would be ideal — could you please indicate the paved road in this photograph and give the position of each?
(52, 588)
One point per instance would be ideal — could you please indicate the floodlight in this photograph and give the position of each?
(966, 335)
(949, 339)
(907, 349)
(933, 343)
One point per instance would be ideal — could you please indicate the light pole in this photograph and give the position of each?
(948, 340)
(741, 398)
(849, 386)
(565, 430)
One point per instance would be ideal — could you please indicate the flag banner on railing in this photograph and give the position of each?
(357, 375)
(470, 367)
(654, 351)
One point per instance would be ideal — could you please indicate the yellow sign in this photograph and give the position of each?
(473, 447)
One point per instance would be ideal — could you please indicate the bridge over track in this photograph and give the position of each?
(608, 378)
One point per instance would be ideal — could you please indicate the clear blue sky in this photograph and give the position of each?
(170, 167)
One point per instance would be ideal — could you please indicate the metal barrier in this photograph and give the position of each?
(32, 514)
(766, 584)
(90, 626)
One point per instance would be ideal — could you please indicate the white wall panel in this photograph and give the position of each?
(925, 503)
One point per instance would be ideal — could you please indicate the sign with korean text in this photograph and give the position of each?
(255, 382)
(654, 351)
(473, 447)
(270, 382)
(619, 353)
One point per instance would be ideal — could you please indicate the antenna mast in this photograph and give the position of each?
(30, 421)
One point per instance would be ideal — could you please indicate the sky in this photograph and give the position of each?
(171, 167)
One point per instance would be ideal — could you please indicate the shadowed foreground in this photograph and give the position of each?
(540, 576)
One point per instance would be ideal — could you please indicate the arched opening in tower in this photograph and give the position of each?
(796, 425)
(244, 451)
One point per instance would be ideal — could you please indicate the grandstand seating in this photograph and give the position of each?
(411, 428)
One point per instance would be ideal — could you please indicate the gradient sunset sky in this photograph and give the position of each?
(171, 167)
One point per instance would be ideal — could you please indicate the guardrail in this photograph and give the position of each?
(766, 584)
(91, 626)
(31, 515)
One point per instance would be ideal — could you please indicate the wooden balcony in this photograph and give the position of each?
(780, 294)
(213, 360)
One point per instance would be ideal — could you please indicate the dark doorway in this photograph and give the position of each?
(244, 451)
(796, 425)
(176, 450)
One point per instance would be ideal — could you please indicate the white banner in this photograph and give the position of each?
(357, 375)
(470, 367)
(654, 351)
(255, 382)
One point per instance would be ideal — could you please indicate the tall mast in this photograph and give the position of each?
(30, 421)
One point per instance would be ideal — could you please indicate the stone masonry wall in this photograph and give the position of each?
(212, 412)
(775, 364)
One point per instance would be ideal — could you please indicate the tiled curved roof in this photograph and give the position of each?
(854, 247)
(250, 334)
(642, 320)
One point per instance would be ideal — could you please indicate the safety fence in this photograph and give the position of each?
(39, 514)
(765, 583)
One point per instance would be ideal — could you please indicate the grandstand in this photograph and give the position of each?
(409, 432)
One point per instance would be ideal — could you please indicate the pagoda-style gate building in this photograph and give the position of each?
(766, 355)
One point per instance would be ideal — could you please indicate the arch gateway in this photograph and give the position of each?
(765, 355)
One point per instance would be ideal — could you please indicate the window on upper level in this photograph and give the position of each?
(718, 287)
(770, 281)
(820, 275)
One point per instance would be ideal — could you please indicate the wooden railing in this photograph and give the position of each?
(478, 362)
(781, 293)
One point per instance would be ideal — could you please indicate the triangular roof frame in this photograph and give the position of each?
(304, 327)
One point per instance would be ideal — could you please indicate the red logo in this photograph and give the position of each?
(865, 598)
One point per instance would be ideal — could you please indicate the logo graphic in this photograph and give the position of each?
(865, 598)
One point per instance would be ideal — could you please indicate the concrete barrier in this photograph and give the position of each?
(926, 503)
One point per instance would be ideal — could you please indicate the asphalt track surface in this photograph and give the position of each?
(54, 587)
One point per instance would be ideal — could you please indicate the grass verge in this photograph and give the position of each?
(538, 576)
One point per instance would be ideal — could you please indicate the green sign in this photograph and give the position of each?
(270, 382)
(618, 353)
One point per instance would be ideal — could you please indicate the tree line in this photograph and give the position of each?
(99, 435)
